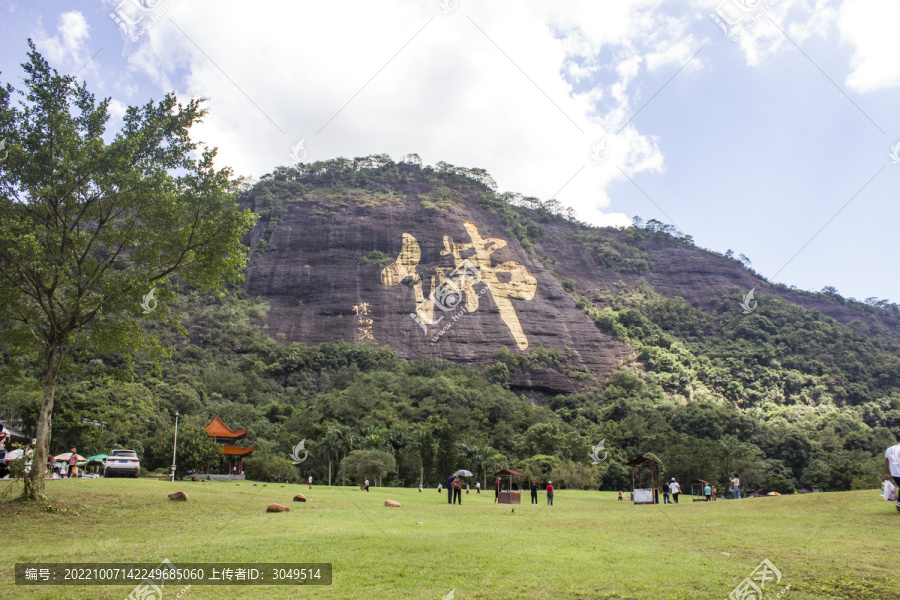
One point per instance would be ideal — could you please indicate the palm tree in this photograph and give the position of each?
(329, 448)
(347, 441)
(478, 457)
(494, 462)
(398, 440)
(423, 442)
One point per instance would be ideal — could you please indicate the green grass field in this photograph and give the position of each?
(587, 546)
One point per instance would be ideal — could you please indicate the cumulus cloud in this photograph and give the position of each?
(516, 88)
(871, 27)
(68, 47)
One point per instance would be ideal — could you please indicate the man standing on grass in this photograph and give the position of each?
(736, 487)
(666, 491)
(707, 491)
(450, 490)
(534, 499)
(892, 466)
(676, 490)
(477, 487)
(549, 493)
(497, 491)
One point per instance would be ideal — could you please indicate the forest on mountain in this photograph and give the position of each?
(786, 396)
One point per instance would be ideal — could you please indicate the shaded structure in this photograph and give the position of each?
(231, 459)
(509, 496)
(645, 479)
(697, 494)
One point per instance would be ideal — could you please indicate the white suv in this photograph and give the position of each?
(122, 462)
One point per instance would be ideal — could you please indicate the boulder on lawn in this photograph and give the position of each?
(299, 498)
(195, 479)
(178, 496)
(277, 508)
(392, 503)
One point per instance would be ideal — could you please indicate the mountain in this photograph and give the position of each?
(432, 262)
(414, 315)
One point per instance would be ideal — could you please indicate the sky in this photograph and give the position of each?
(768, 127)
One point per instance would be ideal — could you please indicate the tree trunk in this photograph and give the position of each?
(34, 483)
(329, 472)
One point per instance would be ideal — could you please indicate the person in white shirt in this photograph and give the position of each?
(675, 489)
(736, 486)
(892, 466)
(309, 482)
(477, 487)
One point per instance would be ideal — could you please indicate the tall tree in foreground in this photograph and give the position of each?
(89, 228)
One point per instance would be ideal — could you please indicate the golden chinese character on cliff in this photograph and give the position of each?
(449, 286)
(365, 331)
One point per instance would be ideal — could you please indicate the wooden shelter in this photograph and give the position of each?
(645, 489)
(697, 494)
(509, 496)
(231, 452)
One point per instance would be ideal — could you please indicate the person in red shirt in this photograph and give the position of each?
(550, 493)
(497, 491)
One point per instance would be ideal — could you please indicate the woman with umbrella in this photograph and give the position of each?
(457, 485)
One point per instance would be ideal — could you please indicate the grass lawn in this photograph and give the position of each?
(587, 546)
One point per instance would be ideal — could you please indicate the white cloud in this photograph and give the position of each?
(68, 47)
(487, 85)
(871, 27)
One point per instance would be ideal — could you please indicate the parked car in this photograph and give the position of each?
(122, 462)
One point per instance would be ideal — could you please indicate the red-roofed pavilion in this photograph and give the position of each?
(234, 454)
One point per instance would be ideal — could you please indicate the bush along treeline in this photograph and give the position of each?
(781, 420)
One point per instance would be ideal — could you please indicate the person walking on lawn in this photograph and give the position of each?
(675, 489)
(666, 491)
(73, 464)
(450, 490)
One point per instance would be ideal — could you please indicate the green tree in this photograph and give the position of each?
(88, 228)
(365, 463)
(422, 440)
(196, 449)
(447, 454)
(329, 448)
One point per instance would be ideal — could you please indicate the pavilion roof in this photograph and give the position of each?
(509, 473)
(642, 460)
(218, 428)
(236, 450)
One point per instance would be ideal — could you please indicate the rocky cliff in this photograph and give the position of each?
(418, 260)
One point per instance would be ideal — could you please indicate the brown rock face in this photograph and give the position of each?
(299, 498)
(179, 496)
(277, 508)
(460, 286)
(392, 503)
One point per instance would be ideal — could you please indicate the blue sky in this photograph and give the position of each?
(771, 140)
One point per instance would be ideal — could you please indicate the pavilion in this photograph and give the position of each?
(230, 451)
